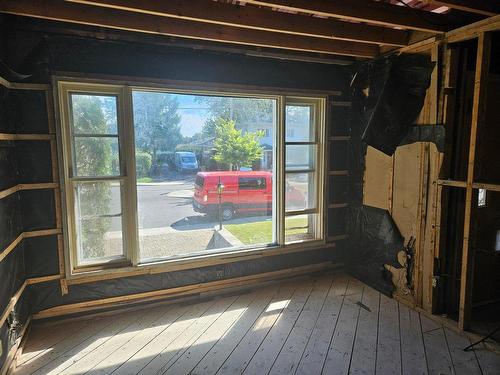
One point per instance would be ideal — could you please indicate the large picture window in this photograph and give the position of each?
(159, 174)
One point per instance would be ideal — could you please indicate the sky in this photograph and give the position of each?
(193, 114)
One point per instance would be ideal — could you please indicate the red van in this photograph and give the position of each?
(243, 192)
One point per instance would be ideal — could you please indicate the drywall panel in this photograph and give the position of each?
(377, 188)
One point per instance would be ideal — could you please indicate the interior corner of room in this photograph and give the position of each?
(249, 186)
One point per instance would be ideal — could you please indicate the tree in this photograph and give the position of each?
(242, 111)
(156, 123)
(234, 148)
(94, 158)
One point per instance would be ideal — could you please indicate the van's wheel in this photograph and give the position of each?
(227, 212)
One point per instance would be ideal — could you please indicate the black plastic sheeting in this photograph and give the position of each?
(34, 161)
(10, 219)
(426, 133)
(395, 87)
(48, 294)
(8, 168)
(375, 241)
(41, 256)
(32, 118)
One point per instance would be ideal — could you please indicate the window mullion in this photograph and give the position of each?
(130, 185)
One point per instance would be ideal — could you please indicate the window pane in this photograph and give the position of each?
(190, 148)
(96, 156)
(98, 221)
(300, 157)
(301, 228)
(299, 123)
(94, 114)
(299, 191)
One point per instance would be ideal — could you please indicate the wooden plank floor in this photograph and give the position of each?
(331, 324)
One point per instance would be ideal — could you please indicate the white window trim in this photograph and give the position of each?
(129, 197)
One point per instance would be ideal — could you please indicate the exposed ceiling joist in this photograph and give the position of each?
(366, 11)
(259, 18)
(484, 7)
(124, 20)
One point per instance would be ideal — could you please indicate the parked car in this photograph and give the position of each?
(185, 161)
(243, 192)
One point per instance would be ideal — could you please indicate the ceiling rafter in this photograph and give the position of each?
(370, 11)
(259, 18)
(484, 7)
(119, 19)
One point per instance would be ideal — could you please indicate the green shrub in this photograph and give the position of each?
(143, 162)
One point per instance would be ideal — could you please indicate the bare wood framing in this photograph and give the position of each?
(484, 7)
(49, 185)
(480, 185)
(42, 279)
(187, 290)
(453, 183)
(480, 84)
(26, 137)
(123, 20)
(363, 11)
(258, 18)
(23, 86)
(36, 233)
(473, 30)
(15, 298)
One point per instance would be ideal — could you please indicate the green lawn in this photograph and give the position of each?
(260, 232)
(144, 179)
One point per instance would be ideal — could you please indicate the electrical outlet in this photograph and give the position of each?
(219, 274)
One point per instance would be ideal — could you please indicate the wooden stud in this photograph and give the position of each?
(13, 301)
(49, 185)
(26, 137)
(258, 18)
(11, 247)
(42, 279)
(452, 183)
(480, 185)
(123, 20)
(480, 83)
(473, 30)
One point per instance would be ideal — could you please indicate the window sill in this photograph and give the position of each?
(80, 276)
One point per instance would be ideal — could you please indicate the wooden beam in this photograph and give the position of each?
(480, 84)
(484, 7)
(366, 11)
(123, 20)
(252, 17)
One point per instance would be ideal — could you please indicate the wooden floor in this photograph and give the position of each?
(332, 324)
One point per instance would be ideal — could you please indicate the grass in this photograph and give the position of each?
(144, 179)
(260, 232)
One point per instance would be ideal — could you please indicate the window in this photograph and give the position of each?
(154, 174)
(302, 204)
(252, 183)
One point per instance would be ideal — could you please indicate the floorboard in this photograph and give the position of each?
(326, 324)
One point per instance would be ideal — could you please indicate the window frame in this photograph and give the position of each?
(126, 137)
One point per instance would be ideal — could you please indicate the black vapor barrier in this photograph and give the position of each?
(376, 242)
(387, 96)
(395, 88)
(46, 295)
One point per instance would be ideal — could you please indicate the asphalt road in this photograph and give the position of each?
(169, 204)
(162, 205)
